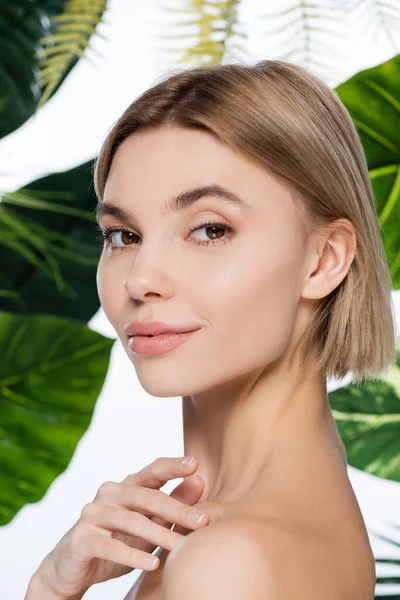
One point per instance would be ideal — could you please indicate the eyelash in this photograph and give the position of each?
(104, 234)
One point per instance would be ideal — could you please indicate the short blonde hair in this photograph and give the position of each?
(283, 117)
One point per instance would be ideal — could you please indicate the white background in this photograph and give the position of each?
(130, 428)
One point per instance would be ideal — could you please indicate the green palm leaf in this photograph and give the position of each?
(35, 242)
(48, 249)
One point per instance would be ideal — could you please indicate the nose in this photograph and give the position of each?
(149, 276)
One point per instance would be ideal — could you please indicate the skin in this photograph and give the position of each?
(263, 434)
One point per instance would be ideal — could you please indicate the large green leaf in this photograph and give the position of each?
(373, 98)
(21, 26)
(368, 421)
(368, 415)
(74, 243)
(28, 33)
(51, 373)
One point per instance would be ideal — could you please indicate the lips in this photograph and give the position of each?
(154, 328)
(158, 344)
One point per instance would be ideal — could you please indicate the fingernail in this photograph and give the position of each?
(152, 561)
(187, 462)
(196, 517)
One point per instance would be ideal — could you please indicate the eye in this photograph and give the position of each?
(214, 225)
(104, 235)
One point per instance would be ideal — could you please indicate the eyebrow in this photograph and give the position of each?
(179, 202)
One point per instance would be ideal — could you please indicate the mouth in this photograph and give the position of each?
(152, 344)
(155, 328)
(161, 334)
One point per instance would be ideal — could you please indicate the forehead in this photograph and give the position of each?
(157, 164)
(175, 151)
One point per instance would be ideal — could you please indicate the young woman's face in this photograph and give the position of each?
(239, 283)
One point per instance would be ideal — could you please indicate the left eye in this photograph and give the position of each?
(106, 234)
(214, 225)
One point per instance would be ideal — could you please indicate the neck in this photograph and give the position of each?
(239, 430)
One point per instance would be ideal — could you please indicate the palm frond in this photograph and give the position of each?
(34, 200)
(212, 19)
(387, 579)
(73, 30)
(380, 14)
(308, 26)
(35, 241)
(14, 296)
(18, 236)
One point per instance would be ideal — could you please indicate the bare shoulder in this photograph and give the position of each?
(224, 560)
(246, 557)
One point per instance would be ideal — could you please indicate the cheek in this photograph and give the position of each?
(101, 282)
(252, 303)
(109, 287)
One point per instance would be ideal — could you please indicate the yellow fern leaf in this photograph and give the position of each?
(73, 30)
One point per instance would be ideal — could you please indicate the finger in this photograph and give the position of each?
(189, 491)
(161, 470)
(148, 502)
(131, 523)
(107, 548)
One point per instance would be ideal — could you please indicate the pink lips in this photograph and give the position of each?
(158, 344)
(164, 336)
(157, 328)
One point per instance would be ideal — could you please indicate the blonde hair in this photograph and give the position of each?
(283, 117)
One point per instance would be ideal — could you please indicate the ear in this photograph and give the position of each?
(331, 256)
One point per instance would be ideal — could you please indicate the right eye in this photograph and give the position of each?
(104, 236)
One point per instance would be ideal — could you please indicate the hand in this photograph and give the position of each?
(119, 530)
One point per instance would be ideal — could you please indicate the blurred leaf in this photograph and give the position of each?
(373, 100)
(26, 27)
(51, 373)
(387, 579)
(206, 49)
(72, 30)
(49, 250)
(21, 25)
(368, 420)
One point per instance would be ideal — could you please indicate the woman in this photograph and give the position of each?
(235, 205)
